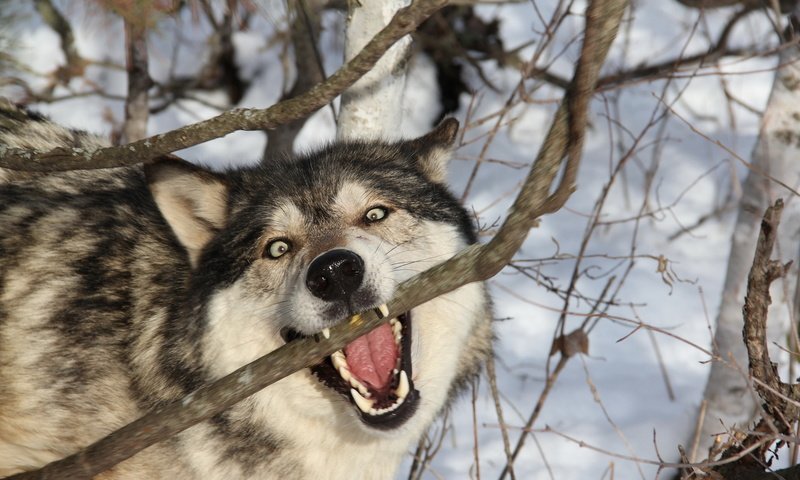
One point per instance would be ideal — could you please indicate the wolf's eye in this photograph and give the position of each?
(376, 214)
(276, 248)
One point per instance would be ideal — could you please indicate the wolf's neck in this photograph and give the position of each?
(325, 439)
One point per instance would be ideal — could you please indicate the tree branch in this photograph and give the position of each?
(60, 159)
(756, 304)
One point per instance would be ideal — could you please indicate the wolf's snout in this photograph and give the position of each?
(335, 275)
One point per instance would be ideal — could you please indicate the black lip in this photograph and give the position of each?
(327, 374)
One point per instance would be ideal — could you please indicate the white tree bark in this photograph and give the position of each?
(373, 107)
(729, 402)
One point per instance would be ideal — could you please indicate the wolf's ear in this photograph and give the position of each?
(194, 201)
(432, 151)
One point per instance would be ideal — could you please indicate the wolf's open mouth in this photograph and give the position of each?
(374, 373)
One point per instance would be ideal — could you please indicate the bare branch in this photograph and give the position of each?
(756, 304)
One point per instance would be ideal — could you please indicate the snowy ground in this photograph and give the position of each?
(615, 399)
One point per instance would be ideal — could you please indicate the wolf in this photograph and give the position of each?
(126, 288)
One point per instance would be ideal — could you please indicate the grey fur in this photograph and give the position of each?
(124, 288)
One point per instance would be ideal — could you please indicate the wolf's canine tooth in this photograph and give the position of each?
(402, 387)
(362, 403)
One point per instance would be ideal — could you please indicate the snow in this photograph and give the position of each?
(690, 177)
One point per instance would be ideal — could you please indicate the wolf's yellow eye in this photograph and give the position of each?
(276, 248)
(376, 214)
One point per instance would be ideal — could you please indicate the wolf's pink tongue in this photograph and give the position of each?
(372, 357)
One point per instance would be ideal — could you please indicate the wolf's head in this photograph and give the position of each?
(295, 246)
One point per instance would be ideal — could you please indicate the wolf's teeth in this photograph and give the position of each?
(363, 404)
(340, 364)
(362, 390)
(326, 332)
(391, 408)
(402, 387)
(397, 329)
(382, 311)
(348, 377)
(338, 359)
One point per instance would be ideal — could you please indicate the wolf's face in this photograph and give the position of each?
(292, 248)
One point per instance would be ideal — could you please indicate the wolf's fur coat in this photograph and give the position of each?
(121, 289)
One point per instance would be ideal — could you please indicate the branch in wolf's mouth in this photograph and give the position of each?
(404, 22)
(478, 262)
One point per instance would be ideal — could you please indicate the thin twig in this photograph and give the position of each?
(492, 374)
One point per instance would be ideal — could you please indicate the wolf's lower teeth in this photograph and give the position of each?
(366, 404)
(388, 409)
(381, 411)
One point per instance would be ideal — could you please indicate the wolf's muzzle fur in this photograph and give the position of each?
(123, 289)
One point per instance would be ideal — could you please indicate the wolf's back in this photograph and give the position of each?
(20, 128)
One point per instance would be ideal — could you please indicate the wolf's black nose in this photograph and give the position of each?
(335, 275)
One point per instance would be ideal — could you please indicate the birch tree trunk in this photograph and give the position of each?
(373, 107)
(776, 158)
